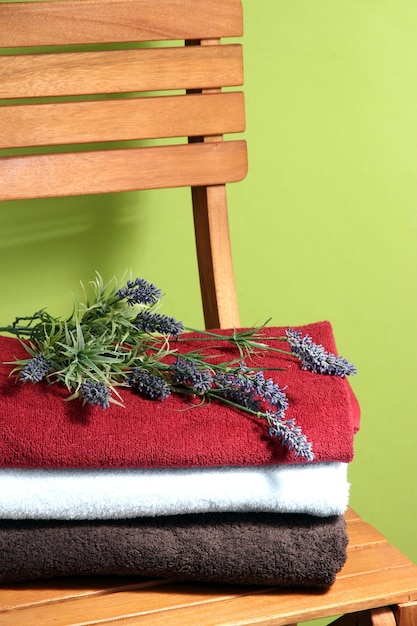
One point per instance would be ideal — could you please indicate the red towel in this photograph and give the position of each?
(38, 429)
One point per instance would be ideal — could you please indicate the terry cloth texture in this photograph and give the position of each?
(39, 430)
(317, 489)
(244, 548)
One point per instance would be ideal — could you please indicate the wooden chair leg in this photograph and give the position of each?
(406, 614)
(215, 257)
(382, 617)
(353, 619)
(376, 617)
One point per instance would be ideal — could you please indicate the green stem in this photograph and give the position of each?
(249, 342)
(16, 330)
(259, 414)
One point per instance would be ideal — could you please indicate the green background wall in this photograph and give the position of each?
(324, 226)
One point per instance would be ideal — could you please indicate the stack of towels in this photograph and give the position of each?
(160, 489)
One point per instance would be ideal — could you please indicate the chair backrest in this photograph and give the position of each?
(77, 73)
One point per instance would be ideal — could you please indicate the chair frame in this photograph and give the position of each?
(378, 585)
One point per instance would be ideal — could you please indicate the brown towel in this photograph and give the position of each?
(247, 548)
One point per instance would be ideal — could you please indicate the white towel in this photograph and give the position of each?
(320, 489)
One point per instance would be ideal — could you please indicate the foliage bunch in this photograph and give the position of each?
(117, 338)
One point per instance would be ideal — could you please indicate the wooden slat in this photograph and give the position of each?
(118, 71)
(118, 120)
(351, 515)
(91, 21)
(281, 608)
(362, 535)
(41, 592)
(373, 559)
(147, 601)
(131, 169)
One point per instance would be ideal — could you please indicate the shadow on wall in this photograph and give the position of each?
(49, 245)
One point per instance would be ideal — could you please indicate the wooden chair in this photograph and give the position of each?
(378, 585)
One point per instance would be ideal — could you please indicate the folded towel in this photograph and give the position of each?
(40, 430)
(249, 548)
(318, 489)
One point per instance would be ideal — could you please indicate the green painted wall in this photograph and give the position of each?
(324, 226)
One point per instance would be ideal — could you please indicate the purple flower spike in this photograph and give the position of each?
(95, 393)
(36, 369)
(149, 385)
(139, 291)
(155, 323)
(315, 358)
(290, 435)
(186, 373)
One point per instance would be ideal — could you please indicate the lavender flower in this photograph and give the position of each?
(187, 373)
(250, 390)
(315, 358)
(149, 385)
(95, 393)
(270, 391)
(339, 366)
(36, 369)
(238, 388)
(149, 322)
(139, 291)
(290, 435)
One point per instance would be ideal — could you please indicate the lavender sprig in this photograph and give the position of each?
(238, 388)
(36, 369)
(149, 385)
(139, 291)
(315, 358)
(290, 435)
(149, 322)
(95, 393)
(187, 374)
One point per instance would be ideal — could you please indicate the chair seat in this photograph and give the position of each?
(376, 574)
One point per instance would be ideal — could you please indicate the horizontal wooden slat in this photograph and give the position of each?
(147, 602)
(351, 515)
(36, 593)
(120, 120)
(280, 608)
(115, 71)
(65, 174)
(362, 535)
(91, 21)
(368, 560)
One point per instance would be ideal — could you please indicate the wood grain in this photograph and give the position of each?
(214, 257)
(102, 171)
(406, 614)
(106, 21)
(121, 120)
(120, 71)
